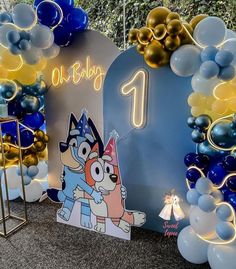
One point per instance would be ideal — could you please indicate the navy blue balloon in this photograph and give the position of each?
(48, 14)
(26, 138)
(189, 159)
(78, 19)
(191, 122)
(30, 103)
(197, 136)
(217, 173)
(232, 200)
(63, 35)
(203, 122)
(221, 135)
(193, 175)
(66, 6)
(206, 148)
(40, 88)
(230, 163)
(9, 128)
(34, 121)
(231, 183)
(15, 109)
(202, 161)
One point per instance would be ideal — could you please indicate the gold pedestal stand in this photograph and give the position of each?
(7, 215)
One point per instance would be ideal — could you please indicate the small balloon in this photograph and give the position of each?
(225, 230)
(174, 27)
(209, 53)
(133, 35)
(204, 185)
(224, 58)
(32, 171)
(4, 30)
(192, 197)
(230, 45)
(13, 37)
(30, 160)
(227, 73)
(144, 35)
(30, 103)
(207, 203)
(41, 36)
(63, 35)
(32, 56)
(224, 213)
(77, 19)
(209, 69)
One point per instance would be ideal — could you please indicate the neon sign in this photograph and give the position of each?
(77, 72)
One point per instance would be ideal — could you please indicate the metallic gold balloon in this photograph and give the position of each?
(43, 155)
(46, 138)
(39, 134)
(30, 160)
(157, 16)
(7, 138)
(12, 153)
(155, 55)
(39, 145)
(140, 48)
(144, 35)
(184, 36)
(174, 27)
(133, 35)
(172, 42)
(195, 20)
(160, 31)
(172, 16)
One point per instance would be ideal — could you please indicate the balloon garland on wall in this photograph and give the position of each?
(29, 37)
(205, 50)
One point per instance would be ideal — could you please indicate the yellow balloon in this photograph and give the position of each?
(27, 75)
(196, 111)
(225, 91)
(197, 99)
(3, 73)
(41, 65)
(9, 61)
(219, 107)
(232, 104)
(209, 102)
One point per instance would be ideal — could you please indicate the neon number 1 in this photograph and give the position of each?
(137, 86)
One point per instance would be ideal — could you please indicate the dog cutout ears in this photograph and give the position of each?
(102, 173)
(73, 154)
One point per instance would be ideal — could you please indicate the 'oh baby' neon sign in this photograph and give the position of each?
(77, 72)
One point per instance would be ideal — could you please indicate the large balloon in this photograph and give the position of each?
(222, 256)
(23, 16)
(30, 104)
(4, 29)
(78, 19)
(185, 61)
(34, 121)
(63, 35)
(41, 36)
(66, 6)
(191, 247)
(13, 179)
(33, 191)
(51, 52)
(210, 31)
(26, 75)
(43, 170)
(32, 56)
(230, 45)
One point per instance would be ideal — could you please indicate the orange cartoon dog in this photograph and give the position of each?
(102, 173)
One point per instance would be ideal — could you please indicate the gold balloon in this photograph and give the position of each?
(172, 42)
(41, 65)
(209, 102)
(197, 99)
(26, 75)
(43, 155)
(184, 36)
(172, 16)
(46, 138)
(7, 138)
(155, 55)
(160, 31)
(30, 160)
(133, 35)
(39, 145)
(225, 91)
(3, 72)
(232, 104)
(12, 153)
(10, 62)
(197, 111)
(144, 35)
(39, 134)
(174, 27)
(219, 107)
(157, 16)
(195, 20)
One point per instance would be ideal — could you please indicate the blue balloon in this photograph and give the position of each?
(209, 69)
(189, 159)
(13, 37)
(207, 203)
(231, 183)
(230, 45)
(63, 35)
(206, 148)
(5, 17)
(7, 90)
(221, 135)
(32, 171)
(209, 53)
(225, 230)
(24, 45)
(66, 5)
(203, 122)
(30, 103)
(14, 49)
(204, 185)
(15, 109)
(210, 31)
(224, 58)
(24, 35)
(34, 121)
(9, 128)
(23, 15)
(231, 198)
(217, 173)
(191, 122)
(185, 61)
(27, 180)
(229, 163)
(24, 170)
(202, 161)
(197, 136)
(193, 196)
(193, 175)
(48, 14)
(26, 138)
(224, 213)
(227, 73)
(78, 19)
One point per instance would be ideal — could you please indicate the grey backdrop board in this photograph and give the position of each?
(92, 52)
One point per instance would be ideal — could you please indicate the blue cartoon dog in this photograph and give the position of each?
(82, 136)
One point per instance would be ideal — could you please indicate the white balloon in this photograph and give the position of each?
(23, 15)
(51, 52)
(41, 36)
(43, 170)
(222, 256)
(230, 34)
(4, 29)
(230, 45)
(203, 223)
(13, 179)
(44, 183)
(32, 56)
(12, 193)
(33, 191)
(191, 247)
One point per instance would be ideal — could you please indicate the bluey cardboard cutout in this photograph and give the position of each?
(92, 194)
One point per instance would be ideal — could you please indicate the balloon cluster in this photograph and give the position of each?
(63, 18)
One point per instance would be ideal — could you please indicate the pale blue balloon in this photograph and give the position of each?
(230, 45)
(193, 196)
(24, 45)
(14, 49)
(12, 193)
(23, 15)
(42, 36)
(207, 203)
(191, 247)
(4, 29)
(204, 185)
(222, 256)
(32, 56)
(224, 58)
(217, 194)
(185, 61)
(224, 213)
(5, 17)
(51, 52)
(13, 37)
(230, 34)
(24, 170)
(33, 171)
(208, 53)
(209, 69)
(210, 31)
(227, 73)
(225, 230)
(203, 85)
(27, 180)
